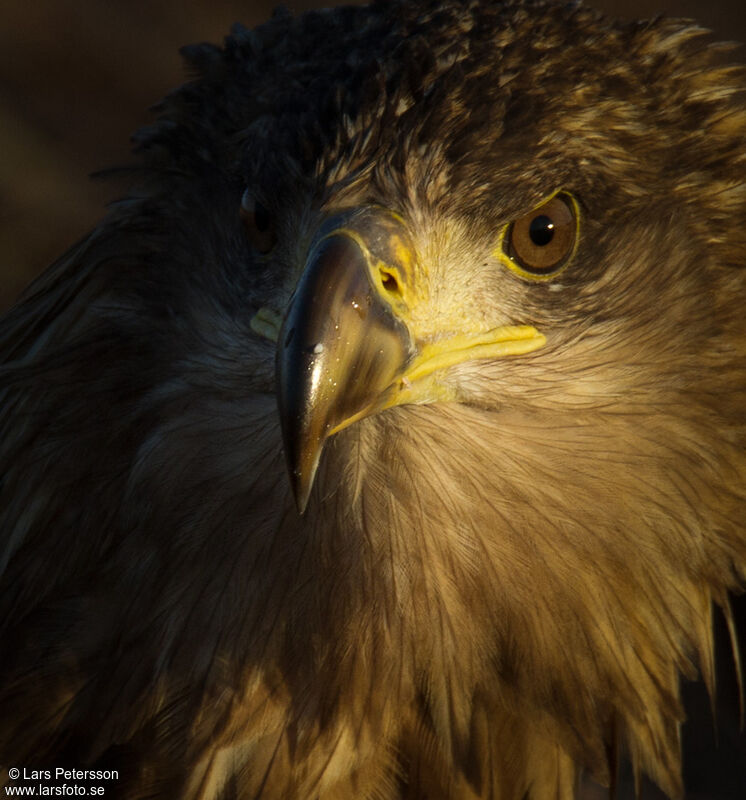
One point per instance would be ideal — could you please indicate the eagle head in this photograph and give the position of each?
(388, 439)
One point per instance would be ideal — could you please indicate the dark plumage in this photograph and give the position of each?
(525, 468)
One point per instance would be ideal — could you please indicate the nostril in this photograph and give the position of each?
(389, 282)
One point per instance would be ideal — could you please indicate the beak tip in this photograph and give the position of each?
(301, 503)
(301, 484)
(301, 494)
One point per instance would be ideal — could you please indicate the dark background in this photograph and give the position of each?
(77, 78)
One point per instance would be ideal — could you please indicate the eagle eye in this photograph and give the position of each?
(539, 244)
(258, 223)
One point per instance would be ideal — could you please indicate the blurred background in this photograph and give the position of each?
(77, 78)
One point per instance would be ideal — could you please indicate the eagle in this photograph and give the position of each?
(387, 438)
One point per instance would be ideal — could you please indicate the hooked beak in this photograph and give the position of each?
(345, 350)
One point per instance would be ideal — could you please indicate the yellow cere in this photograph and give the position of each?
(402, 254)
(399, 298)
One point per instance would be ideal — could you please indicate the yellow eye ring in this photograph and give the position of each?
(539, 245)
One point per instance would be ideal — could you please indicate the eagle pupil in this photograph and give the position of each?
(261, 218)
(541, 230)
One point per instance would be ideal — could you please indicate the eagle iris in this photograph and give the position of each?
(540, 243)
